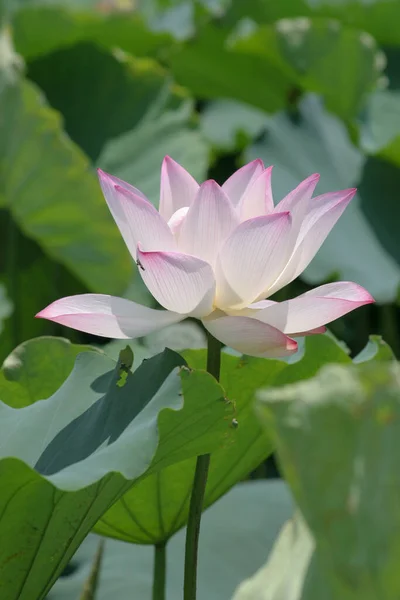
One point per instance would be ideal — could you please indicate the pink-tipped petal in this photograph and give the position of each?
(209, 221)
(315, 308)
(252, 258)
(257, 199)
(110, 180)
(137, 219)
(179, 282)
(241, 180)
(250, 336)
(324, 213)
(178, 188)
(298, 200)
(108, 316)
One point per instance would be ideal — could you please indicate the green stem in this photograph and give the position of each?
(198, 490)
(92, 582)
(159, 573)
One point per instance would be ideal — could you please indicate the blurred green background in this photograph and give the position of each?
(307, 85)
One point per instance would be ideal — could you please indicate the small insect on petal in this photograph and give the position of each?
(139, 264)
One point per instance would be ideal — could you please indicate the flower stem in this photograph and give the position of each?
(159, 572)
(198, 490)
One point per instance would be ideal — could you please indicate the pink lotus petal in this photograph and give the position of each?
(298, 200)
(107, 316)
(179, 282)
(316, 226)
(250, 336)
(110, 181)
(137, 219)
(316, 308)
(241, 180)
(252, 258)
(175, 222)
(209, 221)
(257, 199)
(178, 188)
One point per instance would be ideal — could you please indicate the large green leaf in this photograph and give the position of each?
(36, 369)
(380, 131)
(249, 516)
(291, 554)
(32, 281)
(39, 30)
(345, 424)
(123, 436)
(157, 507)
(378, 17)
(228, 124)
(136, 156)
(320, 143)
(340, 63)
(100, 95)
(42, 173)
(211, 67)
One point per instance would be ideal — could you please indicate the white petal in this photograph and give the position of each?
(316, 226)
(181, 283)
(209, 221)
(175, 222)
(108, 316)
(110, 181)
(315, 308)
(252, 258)
(241, 180)
(298, 200)
(257, 199)
(178, 188)
(250, 336)
(137, 219)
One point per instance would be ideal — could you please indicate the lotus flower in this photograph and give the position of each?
(216, 254)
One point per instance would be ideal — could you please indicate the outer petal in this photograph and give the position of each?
(137, 219)
(178, 188)
(241, 180)
(250, 336)
(316, 308)
(109, 181)
(252, 258)
(209, 221)
(257, 199)
(316, 226)
(179, 282)
(298, 200)
(108, 316)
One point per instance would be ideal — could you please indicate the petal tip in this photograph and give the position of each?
(349, 194)
(210, 185)
(169, 161)
(291, 345)
(45, 313)
(257, 161)
(102, 174)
